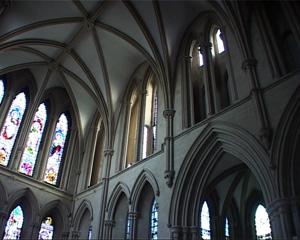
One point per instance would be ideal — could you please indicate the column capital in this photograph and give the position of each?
(108, 152)
(109, 223)
(169, 113)
(205, 45)
(187, 59)
(249, 63)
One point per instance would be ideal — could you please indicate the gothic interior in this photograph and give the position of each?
(149, 119)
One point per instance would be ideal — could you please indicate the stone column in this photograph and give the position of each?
(282, 218)
(35, 229)
(108, 228)
(176, 232)
(65, 235)
(140, 125)
(265, 132)
(133, 216)
(169, 172)
(75, 235)
(108, 153)
(3, 219)
(187, 86)
(205, 49)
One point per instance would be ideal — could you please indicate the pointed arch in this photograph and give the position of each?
(3, 197)
(84, 206)
(284, 150)
(216, 138)
(121, 188)
(60, 215)
(145, 176)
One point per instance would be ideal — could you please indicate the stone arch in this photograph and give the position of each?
(144, 176)
(284, 150)
(121, 188)
(3, 197)
(217, 138)
(60, 215)
(30, 206)
(85, 205)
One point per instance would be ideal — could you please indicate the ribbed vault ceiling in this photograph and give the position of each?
(93, 47)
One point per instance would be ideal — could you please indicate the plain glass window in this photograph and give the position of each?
(205, 221)
(262, 223)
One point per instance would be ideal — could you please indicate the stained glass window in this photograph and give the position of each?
(1, 90)
(205, 221)
(262, 223)
(33, 141)
(56, 151)
(46, 231)
(154, 220)
(11, 127)
(14, 224)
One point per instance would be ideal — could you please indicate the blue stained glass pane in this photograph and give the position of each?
(47, 229)
(11, 127)
(56, 152)
(154, 220)
(1, 90)
(14, 224)
(33, 141)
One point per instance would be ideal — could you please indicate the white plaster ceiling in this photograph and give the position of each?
(93, 47)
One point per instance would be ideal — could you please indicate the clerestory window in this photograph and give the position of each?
(11, 127)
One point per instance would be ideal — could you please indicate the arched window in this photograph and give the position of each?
(200, 57)
(47, 229)
(2, 90)
(14, 224)
(262, 223)
(128, 226)
(56, 151)
(154, 220)
(33, 141)
(150, 121)
(227, 233)
(11, 127)
(219, 44)
(205, 221)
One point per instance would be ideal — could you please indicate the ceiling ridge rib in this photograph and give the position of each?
(37, 25)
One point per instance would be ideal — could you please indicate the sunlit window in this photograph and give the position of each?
(145, 141)
(33, 141)
(154, 220)
(155, 113)
(219, 42)
(205, 221)
(128, 226)
(14, 224)
(90, 233)
(11, 127)
(227, 234)
(56, 151)
(46, 231)
(1, 90)
(262, 223)
(200, 58)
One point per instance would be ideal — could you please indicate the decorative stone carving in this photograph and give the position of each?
(169, 176)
